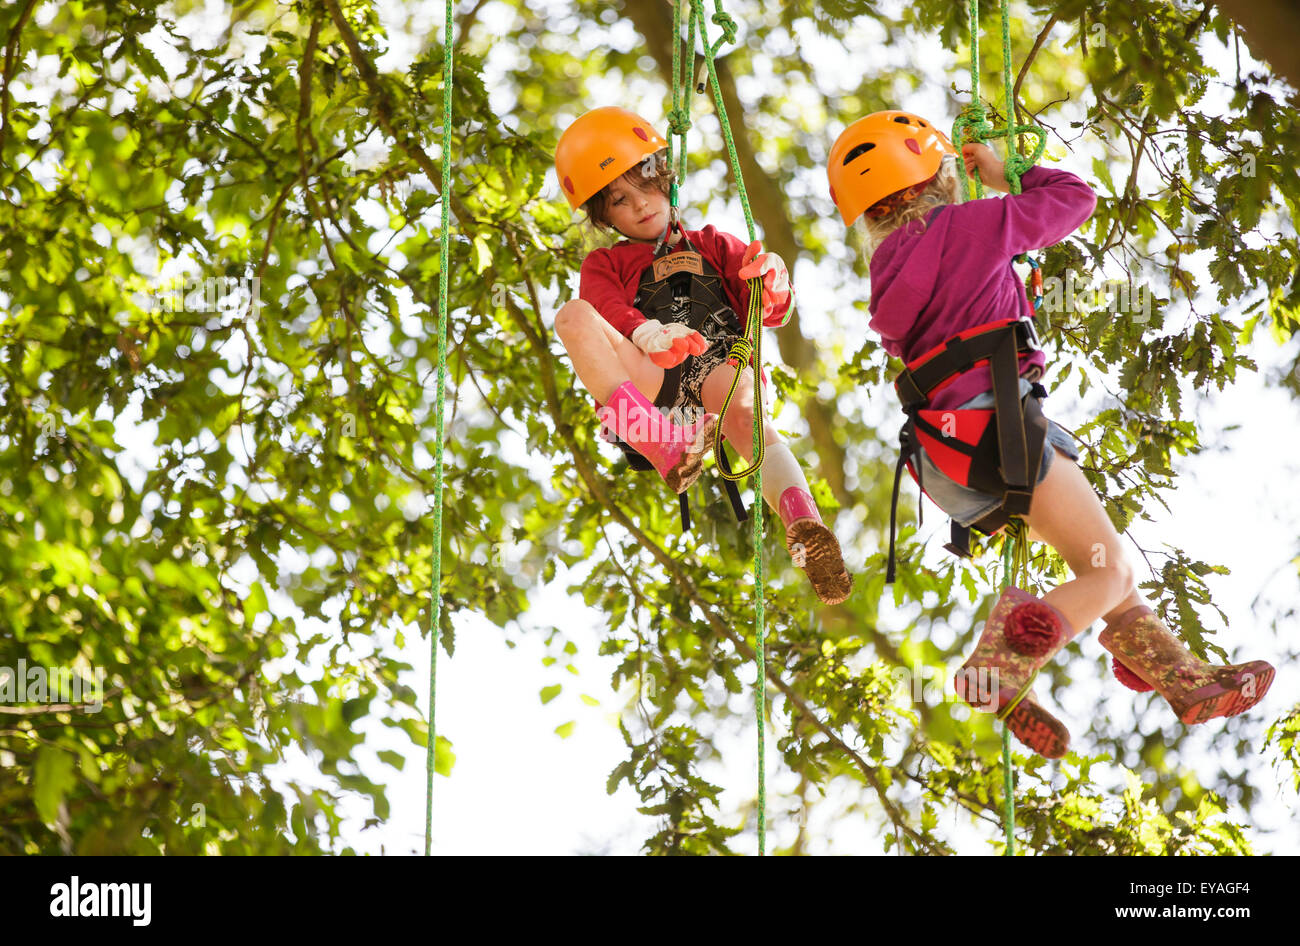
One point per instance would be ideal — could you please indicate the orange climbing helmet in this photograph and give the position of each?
(882, 154)
(600, 147)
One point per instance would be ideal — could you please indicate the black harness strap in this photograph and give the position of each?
(683, 272)
(1005, 461)
(637, 462)
(733, 492)
(1035, 426)
(917, 382)
(1012, 449)
(893, 508)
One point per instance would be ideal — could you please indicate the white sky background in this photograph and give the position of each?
(518, 788)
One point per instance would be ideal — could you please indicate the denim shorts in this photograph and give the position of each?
(966, 505)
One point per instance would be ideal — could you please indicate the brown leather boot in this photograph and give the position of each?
(1021, 635)
(1196, 690)
(814, 546)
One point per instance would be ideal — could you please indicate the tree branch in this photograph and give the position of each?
(1024, 66)
(384, 110)
(11, 54)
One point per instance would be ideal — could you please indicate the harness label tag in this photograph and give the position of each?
(684, 262)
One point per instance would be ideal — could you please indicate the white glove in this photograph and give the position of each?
(668, 345)
(776, 289)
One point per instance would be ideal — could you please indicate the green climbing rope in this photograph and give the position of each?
(435, 592)
(679, 118)
(1015, 571)
(975, 117)
(751, 344)
(747, 351)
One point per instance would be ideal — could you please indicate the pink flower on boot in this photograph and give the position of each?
(1127, 677)
(1032, 628)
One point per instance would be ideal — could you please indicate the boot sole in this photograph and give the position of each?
(1039, 730)
(690, 465)
(1228, 699)
(823, 559)
(1032, 725)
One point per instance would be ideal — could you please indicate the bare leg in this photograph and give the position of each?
(812, 545)
(1067, 515)
(603, 358)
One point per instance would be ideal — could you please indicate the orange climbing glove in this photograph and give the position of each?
(668, 345)
(778, 295)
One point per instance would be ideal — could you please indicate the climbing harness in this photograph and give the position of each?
(994, 450)
(681, 285)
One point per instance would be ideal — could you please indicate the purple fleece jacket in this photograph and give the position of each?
(928, 284)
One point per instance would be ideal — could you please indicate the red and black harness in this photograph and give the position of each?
(682, 273)
(994, 450)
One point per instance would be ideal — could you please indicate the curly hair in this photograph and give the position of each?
(943, 189)
(643, 177)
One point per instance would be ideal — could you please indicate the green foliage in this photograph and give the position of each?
(239, 591)
(1283, 733)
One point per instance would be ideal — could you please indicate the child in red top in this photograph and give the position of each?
(938, 268)
(611, 162)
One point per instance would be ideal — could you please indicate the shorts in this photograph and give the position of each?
(966, 505)
(682, 393)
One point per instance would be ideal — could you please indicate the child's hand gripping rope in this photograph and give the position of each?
(992, 169)
(776, 283)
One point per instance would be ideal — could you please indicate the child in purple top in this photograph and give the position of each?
(927, 284)
(940, 267)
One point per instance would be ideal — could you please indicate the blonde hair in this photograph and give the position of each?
(944, 188)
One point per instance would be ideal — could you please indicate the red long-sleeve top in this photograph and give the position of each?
(610, 277)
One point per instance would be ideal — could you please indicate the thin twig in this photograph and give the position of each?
(1024, 67)
(11, 55)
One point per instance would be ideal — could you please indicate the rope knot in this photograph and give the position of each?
(740, 351)
(975, 117)
(679, 121)
(1016, 165)
(728, 25)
